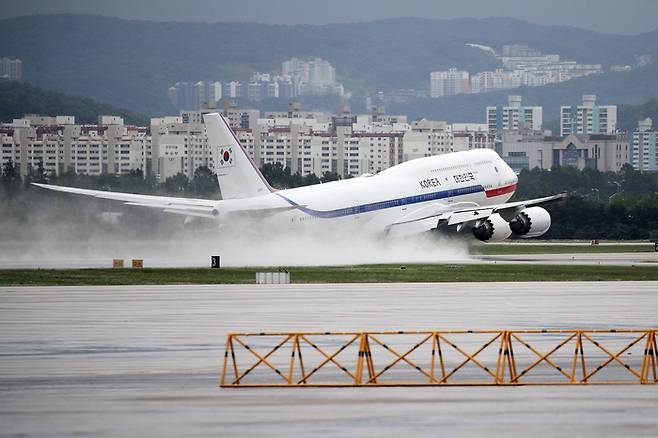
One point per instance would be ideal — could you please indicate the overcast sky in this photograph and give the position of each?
(609, 16)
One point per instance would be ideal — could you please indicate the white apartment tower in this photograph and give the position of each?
(644, 154)
(449, 83)
(514, 116)
(588, 118)
(317, 72)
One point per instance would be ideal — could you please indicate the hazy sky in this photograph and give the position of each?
(610, 16)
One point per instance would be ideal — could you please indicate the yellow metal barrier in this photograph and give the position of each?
(440, 358)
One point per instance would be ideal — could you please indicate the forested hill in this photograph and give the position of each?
(18, 99)
(132, 63)
(629, 115)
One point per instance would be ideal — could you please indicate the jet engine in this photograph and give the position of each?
(530, 222)
(492, 229)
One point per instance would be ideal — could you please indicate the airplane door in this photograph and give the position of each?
(498, 176)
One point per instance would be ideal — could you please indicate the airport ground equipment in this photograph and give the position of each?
(440, 358)
(280, 277)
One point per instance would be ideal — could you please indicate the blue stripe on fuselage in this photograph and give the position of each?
(366, 208)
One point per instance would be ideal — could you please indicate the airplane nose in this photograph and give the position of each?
(508, 173)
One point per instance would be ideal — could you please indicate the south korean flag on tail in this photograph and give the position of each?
(226, 158)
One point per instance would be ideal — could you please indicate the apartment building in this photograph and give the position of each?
(644, 154)
(467, 136)
(60, 145)
(449, 83)
(240, 118)
(514, 116)
(180, 145)
(499, 79)
(588, 118)
(194, 95)
(315, 142)
(11, 69)
(426, 138)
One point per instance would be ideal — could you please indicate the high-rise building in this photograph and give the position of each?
(449, 83)
(11, 69)
(467, 136)
(644, 154)
(514, 116)
(427, 138)
(588, 118)
(486, 81)
(191, 96)
(239, 117)
(180, 145)
(232, 90)
(315, 76)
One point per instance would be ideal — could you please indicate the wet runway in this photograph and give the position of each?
(144, 361)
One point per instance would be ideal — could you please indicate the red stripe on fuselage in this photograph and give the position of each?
(500, 191)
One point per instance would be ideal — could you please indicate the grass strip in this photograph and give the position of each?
(334, 274)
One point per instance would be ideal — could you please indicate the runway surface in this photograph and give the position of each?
(618, 259)
(144, 361)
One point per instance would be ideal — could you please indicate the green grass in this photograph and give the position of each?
(527, 248)
(346, 274)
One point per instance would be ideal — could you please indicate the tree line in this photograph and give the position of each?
(203, 183)
(601, 205)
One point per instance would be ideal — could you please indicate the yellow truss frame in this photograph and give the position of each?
(506, 372)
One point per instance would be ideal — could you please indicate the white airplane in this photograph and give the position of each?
(467, 189)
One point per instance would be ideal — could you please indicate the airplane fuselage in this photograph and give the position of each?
(473, 178)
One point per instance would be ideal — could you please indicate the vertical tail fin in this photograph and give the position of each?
(237, 173)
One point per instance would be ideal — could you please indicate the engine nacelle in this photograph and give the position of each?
(492, 229)
(531, 222)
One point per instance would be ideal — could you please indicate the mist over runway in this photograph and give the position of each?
(249, 244)
(145, 360)
(188, 255)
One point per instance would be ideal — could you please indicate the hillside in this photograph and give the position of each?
(629, 115)
(18, 98)
(132, 63)
(632, 87)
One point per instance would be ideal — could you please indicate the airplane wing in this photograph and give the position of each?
(184, 206)
(461, 214)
